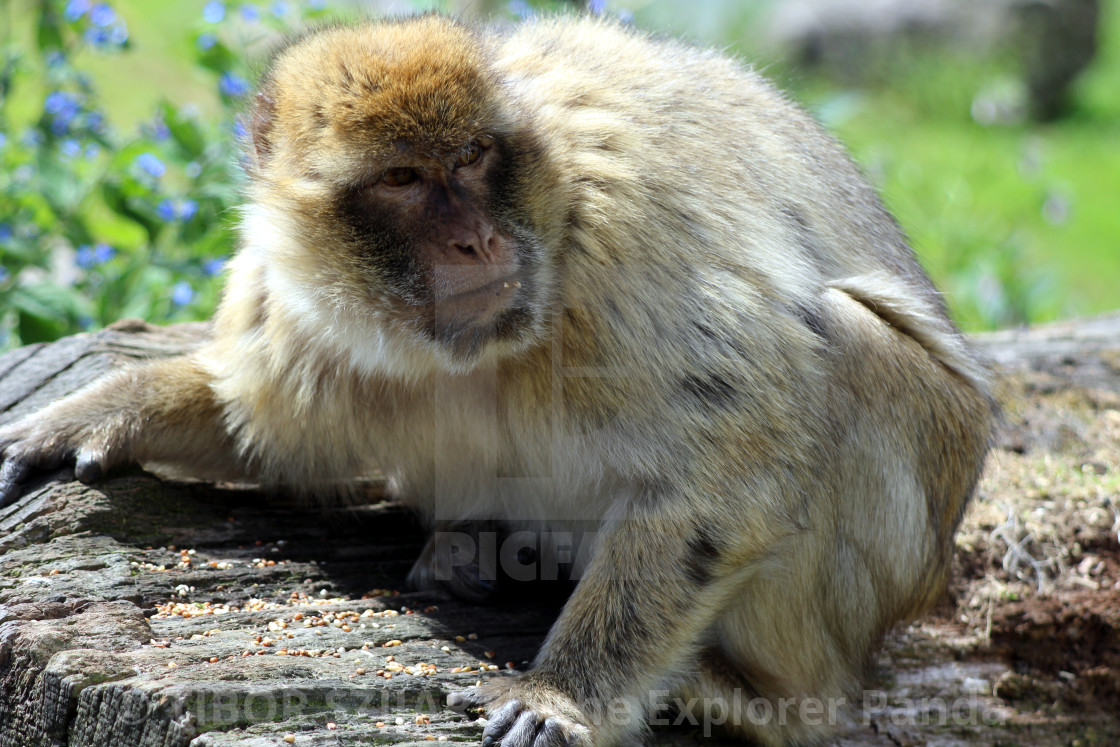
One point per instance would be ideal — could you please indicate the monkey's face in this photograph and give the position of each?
(436, 237)
(391, 151)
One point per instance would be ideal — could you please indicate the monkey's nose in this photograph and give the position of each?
(478, 244)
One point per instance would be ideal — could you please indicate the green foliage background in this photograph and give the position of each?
(119, 151)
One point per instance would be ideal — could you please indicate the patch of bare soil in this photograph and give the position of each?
(1036, 592)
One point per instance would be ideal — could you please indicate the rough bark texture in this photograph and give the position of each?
(144, 612)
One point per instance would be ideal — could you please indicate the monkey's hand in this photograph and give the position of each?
(525, 712)
(163, 412)
(66, 433)
(653, 587)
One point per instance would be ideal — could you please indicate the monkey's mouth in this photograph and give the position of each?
(498, 311)
(478, 305)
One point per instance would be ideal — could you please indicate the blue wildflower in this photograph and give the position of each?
(160, 131)
(93, 150)
(520, 8)
(3, 276)
(214, 266)
(5, 232)
(118, 35)
(61, 103)
(55, 102)
(214, 12)
(239, 129)
(95, 121)
(102, 15)
(166, 210)
(182, 293)
(96, 36)
(233, 85)
(70, 147)
(151, 165)
(63, 108)
(3, 139)
(250, 13)
(205, 41)
(281, 9)
(75, 9)
(187, 210)
(55, 58)
(88, 256)
(102, 252)
(84, 257)
(596, 7)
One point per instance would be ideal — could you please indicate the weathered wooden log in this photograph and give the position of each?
(140, 611)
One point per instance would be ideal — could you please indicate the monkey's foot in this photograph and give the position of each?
(437, 567)
(524, 713)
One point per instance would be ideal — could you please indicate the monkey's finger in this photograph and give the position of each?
(11, 478)
(500, 721)
(89, 466)
(552, 735)
(522, 732)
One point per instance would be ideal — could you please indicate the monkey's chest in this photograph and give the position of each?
(467, 453)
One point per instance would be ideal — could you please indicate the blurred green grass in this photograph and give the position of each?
(1036, 206)
(1016, 223)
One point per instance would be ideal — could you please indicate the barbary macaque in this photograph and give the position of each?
(565, 275)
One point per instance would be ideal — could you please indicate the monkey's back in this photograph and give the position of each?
(640, 121)
(660, 139)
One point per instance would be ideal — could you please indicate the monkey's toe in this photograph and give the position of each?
(465, 700)
(517, 725)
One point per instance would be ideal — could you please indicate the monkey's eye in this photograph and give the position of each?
(469, 156)
(399, 176)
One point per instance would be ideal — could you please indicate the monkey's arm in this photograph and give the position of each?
(163, 411)
(658, 579)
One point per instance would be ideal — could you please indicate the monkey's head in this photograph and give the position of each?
(388, 169)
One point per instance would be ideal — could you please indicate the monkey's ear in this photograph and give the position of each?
(260, 126)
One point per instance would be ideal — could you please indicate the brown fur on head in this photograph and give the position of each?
(343, 99)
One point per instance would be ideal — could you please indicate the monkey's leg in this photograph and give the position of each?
(164, 411)
(785, 654)
(638, 614)
(781, 667)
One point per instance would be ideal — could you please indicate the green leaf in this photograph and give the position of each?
(185, 132)
(33, 328)
(118, 199)
(45, 311)
(50, 29)
(218, 58)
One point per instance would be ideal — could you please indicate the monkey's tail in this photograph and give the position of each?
(893, 302)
